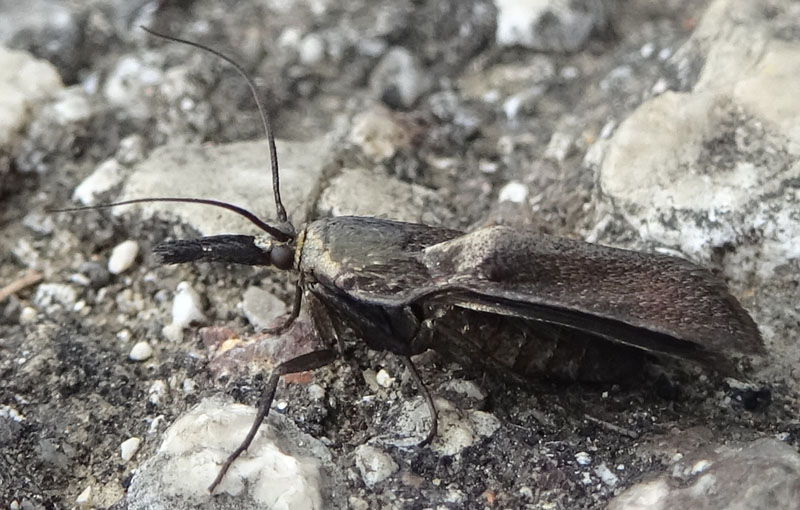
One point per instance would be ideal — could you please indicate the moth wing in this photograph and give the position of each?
(650, 301)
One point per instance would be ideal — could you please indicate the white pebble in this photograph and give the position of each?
(316, 392)
(606, 475)
(186, 308)
(374, 465)
(189, 386)
(27, 315)
(312, 49)
(559, 147)
(514, 191)
(157, 392)
(129, 447)
(384, 379)
(700, 466)
(85, 497)
(51, 293)
(141, 351)
(122, 256)
(8, 412)
(583, 458)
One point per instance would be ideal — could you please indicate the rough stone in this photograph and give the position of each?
(358, 192)
(548, 25)
(237, 173)
(761, 474)
(25, 81)
(274, 473)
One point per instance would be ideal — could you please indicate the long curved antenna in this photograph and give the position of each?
(269, 229)
(273, 152)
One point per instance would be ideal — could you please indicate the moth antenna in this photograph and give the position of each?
(273, 152)
(269, 229)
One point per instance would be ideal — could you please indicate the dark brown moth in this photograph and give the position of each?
(523, 303)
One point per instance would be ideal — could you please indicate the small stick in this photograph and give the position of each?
(30, 278)
(613, 428)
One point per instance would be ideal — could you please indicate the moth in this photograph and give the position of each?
(520, 302)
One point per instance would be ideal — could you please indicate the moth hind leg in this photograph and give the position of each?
(423, 390)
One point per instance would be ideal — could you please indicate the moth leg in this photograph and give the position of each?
(428, 400)
(309, 361)
(296, 304)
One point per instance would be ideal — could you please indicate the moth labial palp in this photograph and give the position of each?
(514, 301)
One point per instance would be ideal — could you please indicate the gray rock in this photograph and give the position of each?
(374, 465)
(356, 191)
(261, 307)
(762, 474)
(399, 78)
(48, 294)
(48, 28)
(379, 134)
(548, 25)
(282, 469)
(128, 83)
(458, 428)
(707, 168)
(59, 130)
(237, 173)
(25, 82)
(105, 177)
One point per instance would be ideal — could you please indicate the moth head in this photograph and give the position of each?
(281, 255)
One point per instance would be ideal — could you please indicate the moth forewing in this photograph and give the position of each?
(654, 302)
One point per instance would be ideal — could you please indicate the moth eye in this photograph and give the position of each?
(282, 257)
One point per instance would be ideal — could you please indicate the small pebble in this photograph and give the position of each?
(105, 177)
(189, 386)
(27, 315)
(398, 78)
(80, 279)
(186, 308)
(316, 392)
(700, 466)
(559, 147)
(129, 447)
(374, 465)
(141, 351)
(312, 49)
(261, 307)
(513, 192)
(50, 293)
(606, 475)
(157, 392)
(85, 497)
(123, 256)
(384, 379)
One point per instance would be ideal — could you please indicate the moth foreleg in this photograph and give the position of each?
(295, 313)
(309, 361)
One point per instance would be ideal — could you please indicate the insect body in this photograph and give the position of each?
(521, 302)
(417, 274)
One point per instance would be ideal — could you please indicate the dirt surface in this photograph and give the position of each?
(70, 395)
